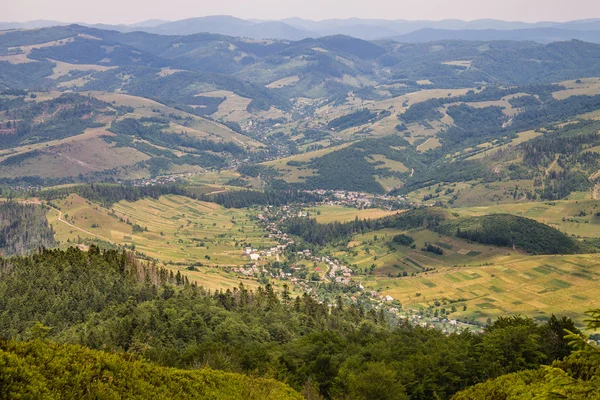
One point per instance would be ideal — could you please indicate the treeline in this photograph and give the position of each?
(23, 228)
(109, 194)
(575, 377)
(107, 300)
(427, 110)
(498, 229)
(349, 168)
(512, 231)
(249, 198)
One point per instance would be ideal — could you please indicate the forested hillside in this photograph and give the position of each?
(111, 301)
(23, 229)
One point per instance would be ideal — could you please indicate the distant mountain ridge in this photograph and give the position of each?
(366, 29)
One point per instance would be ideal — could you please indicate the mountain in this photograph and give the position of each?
(367, 29)
(231, 26)
(151, 23)
(29, 24)
(540, 35)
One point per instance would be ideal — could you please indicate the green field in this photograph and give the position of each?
(180, 232)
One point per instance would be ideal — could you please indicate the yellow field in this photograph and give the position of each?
(587, 87)
(536, 286)
(491, 281)
(325, 214)
(290, 80)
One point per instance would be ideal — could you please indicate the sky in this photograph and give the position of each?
(131, 11)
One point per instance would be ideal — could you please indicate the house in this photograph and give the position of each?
(254, 256)
(388, 298)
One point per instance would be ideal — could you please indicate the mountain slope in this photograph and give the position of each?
(540, 35)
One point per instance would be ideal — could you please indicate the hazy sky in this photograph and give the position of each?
(129, 11)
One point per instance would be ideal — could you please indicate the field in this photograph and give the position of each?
(536, 286)
(325, 214)
(579, 87)
(490, 281)
(390, 260)
(177, 229)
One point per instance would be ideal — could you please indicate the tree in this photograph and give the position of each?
(377, 381)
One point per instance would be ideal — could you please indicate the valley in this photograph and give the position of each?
(308, 213)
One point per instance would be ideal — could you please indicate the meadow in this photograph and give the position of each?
(327, 213)
(177, 231)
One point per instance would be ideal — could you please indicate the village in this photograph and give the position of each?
(269, 263)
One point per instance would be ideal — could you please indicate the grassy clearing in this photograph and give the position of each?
(63, 68)
(290, 80)
(579, 87)
(389, 259)
(325, 214)
(521, 138)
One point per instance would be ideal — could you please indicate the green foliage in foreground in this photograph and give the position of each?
(106, 300)
(576, 377)
(40, 369)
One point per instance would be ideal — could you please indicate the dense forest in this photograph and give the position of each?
(23, 228)
(107, 300)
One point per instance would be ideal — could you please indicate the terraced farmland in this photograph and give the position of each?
(170, 229)
(536, 286)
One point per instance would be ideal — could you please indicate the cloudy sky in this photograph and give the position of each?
(130, 11)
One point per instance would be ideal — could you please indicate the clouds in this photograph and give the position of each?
(129, 11)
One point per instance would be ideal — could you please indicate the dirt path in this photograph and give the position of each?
(412, 172)
(76, 227)
(596, 189)
(551, 166)
(424, 143)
